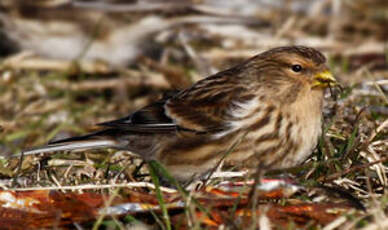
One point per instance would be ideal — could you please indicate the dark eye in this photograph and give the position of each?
(296, 68)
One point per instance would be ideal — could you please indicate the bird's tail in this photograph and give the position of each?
(95, 140)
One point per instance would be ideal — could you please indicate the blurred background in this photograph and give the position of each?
(67, 65)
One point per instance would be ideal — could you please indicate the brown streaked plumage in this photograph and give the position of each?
(271, 104)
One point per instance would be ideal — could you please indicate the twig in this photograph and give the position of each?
(168, 7)
(92, 186)
(336, 223)
(377, 86)
(24, 61)
(384, 125)
(156, 81)
(351, 169)
(19, 168)
(174, 76)
(107, 203)
(201, 64)
(378, 82)
(131, 7)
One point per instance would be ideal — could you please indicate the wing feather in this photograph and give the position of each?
(203, 108)
(207, 106)
(151, 118)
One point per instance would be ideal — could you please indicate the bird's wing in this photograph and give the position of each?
(151, 118)
(206, 107)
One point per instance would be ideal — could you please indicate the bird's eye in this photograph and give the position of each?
(296, 68)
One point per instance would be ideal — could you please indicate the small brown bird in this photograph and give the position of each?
(266, 110)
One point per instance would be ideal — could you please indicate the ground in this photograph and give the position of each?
(50, 97)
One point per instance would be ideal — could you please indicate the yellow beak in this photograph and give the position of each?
(324, 79)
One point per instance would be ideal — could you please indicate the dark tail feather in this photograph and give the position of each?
(101, 133)
(94, 140)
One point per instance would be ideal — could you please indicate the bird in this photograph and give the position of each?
(265, 111)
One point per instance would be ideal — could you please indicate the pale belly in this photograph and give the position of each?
(287, 148)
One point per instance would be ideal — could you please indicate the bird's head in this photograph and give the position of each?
(297, 63)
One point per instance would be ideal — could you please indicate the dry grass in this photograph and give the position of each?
(40, 100)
